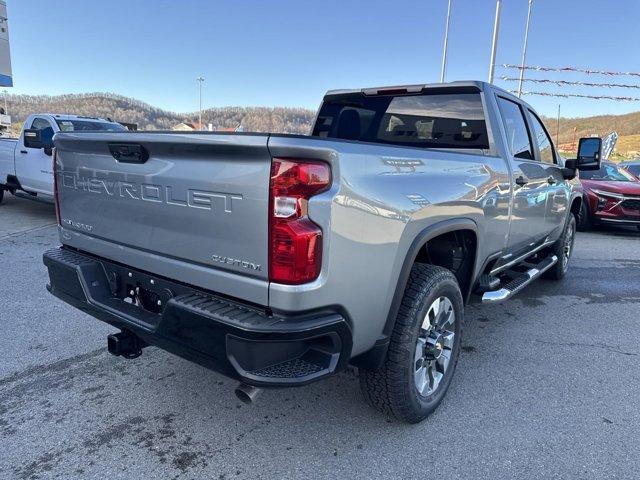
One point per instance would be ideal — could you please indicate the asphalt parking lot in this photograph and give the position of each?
(548, 386)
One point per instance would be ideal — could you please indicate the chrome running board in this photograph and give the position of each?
(521, 258)
(519, 282)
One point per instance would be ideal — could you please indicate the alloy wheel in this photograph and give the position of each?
(567, 248)
(434, 346)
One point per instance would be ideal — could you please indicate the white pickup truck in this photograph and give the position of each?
(25, 162)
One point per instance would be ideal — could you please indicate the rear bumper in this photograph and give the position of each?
(241, 341)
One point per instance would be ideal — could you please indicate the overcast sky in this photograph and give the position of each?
(287, 53)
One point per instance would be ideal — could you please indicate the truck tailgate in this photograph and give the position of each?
(196, 210)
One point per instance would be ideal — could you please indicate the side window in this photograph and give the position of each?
(518, 140)
(542, 138)
(40, 123)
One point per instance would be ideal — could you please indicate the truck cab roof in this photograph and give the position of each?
(62, 116)
(473, 85)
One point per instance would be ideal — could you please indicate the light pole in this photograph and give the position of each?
(558, 128)
(524, 50)
(446, 43)
(200, 81)
(494, 43)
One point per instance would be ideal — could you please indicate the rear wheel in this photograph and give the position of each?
(423, 350)
(563, 249)
(1, 193)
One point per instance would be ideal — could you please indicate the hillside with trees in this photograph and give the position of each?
(104, 105)
(259, 119)
(627, 124)
(273, 119)
(148, 117)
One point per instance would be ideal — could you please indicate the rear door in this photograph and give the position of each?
(558, 189)
(195, 210)
(529, 179)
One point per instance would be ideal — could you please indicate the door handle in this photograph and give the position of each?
(23, 151)
(129, 152)
(551, 180)
(521, 180)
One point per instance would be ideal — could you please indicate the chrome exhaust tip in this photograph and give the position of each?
(247, 394)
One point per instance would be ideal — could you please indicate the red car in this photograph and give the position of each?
(612, 196)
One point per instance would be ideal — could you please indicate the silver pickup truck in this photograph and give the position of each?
(278, 260)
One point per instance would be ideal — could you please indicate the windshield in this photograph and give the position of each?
(607, 173)
(89, 126)
(635, 169)
(447, 120)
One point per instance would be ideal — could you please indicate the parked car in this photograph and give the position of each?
(612, 196)
(25, 162)
(278, 260)
(633, 167)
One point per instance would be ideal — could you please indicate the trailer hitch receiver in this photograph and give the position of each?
(125, 344)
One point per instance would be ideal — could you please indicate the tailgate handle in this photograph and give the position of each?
(129, 152)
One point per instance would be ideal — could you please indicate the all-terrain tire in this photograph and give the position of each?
(392, 389)
(584, 221)
(563, 249)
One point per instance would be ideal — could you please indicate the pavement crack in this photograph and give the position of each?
(610, 348)
(58, 366)
(28, 230)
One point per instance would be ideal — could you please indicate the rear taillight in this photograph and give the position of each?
(295, 242)
(55, 186)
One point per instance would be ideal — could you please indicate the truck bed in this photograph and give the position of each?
(7, 157)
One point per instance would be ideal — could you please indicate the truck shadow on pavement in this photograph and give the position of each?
(179, 415)
(606, 230)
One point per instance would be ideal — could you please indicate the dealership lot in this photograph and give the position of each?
(548, 386)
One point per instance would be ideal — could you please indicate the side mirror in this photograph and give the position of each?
(39, 139)
(33, 138)
(569, 172)
(589, 153)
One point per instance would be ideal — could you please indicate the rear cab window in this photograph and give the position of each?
(75, 125)
(424, 120)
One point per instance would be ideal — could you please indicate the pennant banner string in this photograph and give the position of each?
(562, 83)
(571, 69)
(575, 95)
